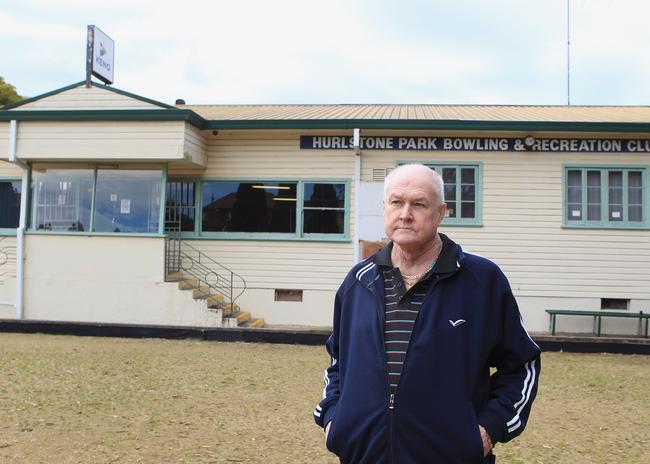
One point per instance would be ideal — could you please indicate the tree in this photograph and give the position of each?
(8, 94)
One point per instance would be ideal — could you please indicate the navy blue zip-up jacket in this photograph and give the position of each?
(469, 321)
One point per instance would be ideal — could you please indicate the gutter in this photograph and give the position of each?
(20, 231)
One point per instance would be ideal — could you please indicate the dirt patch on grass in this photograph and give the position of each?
(102, 400)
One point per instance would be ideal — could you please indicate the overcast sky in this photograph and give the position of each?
(335, 51)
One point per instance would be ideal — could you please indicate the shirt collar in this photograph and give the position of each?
(446, 262)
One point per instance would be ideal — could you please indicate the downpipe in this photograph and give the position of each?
(20, 231)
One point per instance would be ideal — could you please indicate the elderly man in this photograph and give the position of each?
(417, 327)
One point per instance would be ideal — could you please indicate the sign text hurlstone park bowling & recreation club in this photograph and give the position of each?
(332, 142)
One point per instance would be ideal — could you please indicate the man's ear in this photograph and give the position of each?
(442, 210)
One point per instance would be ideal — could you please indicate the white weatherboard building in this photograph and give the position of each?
(122, 196)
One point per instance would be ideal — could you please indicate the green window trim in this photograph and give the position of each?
(95, 167)
(477, 220)
(299, 235)
(604, 221)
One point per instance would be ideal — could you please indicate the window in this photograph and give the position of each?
(9, 203)
(614, 303)
(62, 199)
(288, 295)
(462, 192)
(180, 211)
(323, 208)
(108, 200)
(127, 201)
(605, 197)
(276, 208)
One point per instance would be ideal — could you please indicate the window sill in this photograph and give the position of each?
(93, 234)
(7, 232)
(267, 238)
(605, 227)
(459, 224)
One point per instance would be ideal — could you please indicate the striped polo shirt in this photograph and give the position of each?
(401, 310)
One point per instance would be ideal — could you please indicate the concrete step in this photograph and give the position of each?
(188, 284)
(216, 300)
(175, 276)
(254, 323)
(242, 317)
(201, 292)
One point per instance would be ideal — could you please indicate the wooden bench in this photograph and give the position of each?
(598, 316)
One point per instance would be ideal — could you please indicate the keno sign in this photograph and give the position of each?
(102, 53)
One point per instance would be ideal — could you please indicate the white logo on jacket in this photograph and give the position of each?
(457, 323)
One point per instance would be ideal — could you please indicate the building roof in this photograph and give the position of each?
(47, 107)
(422, 113)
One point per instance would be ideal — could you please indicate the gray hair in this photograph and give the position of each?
(436, 180)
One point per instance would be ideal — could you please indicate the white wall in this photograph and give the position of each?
(104, 279)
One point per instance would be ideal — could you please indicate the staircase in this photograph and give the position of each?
(228, 312)
(207, 279)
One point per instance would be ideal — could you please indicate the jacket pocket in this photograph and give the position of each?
(474, 436)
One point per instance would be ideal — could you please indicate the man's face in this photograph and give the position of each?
(411, 210)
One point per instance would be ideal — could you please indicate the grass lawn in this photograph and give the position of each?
(101, 400)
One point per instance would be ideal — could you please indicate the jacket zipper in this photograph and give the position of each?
(391, 412)
(391, 398)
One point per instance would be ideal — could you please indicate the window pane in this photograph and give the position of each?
(467, 210)
(180, 208)
(574, 178)
(615, 187)
(9, 204)
(325, 195)
(467, 193)
(450, 193)
(127, 201)
(449, 180)
(634, 179)
(323, 221)
(593, 212)
(451, 209)
(467, 176)
(249, 207)
(574, 195)
(593, 196)
(635, 196)
(635, 213)
(61, 199)
(615, 179)
(449, 175)
(574, 187)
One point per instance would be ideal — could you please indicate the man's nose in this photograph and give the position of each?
(405, 213)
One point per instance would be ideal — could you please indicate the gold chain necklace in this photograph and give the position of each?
(417, 276)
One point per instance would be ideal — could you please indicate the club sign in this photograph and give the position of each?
(331, 142)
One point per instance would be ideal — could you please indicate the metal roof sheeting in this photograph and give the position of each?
(423, 113)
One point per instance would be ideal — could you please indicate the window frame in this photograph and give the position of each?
(11, 231)
(299, 235)
(605, 222)
(95, 167)
(477, 220)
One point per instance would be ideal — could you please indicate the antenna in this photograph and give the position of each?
(568, 53)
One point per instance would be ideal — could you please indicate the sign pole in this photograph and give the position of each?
(89, 55)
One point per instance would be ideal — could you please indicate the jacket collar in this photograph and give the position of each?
(448, 261)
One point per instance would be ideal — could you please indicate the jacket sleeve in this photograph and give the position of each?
(513, 386)
(325, 409)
